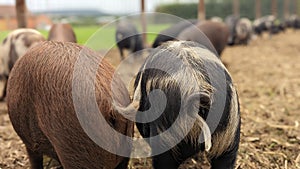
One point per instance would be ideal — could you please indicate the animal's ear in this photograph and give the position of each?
(205, 100)
(194, 102)
(74, 35)
(202, 98)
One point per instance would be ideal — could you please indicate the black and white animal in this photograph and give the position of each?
(243, 31)
(263, 24)
(277, 27)
(128, 37)
(231, 22)
(172, 32)
(293, 22)
(269, 24)
(197, 87)
(240, 30)
(13, 47)
(216, 32)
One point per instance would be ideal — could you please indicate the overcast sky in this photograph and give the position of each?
(109, 6)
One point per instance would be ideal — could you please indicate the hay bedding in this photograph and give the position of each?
(267, 75)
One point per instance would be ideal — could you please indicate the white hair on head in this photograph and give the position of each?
(176, 44)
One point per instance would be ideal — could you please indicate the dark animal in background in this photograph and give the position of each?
(216, 32)
(263, 24)
(282, 26)
(293, 22)
(41, 107)
(128, 37)
(297, 22)
(240, 30)
(179, 91)
(172, 32)
(277, 27)
(62, 32)
(269, 24)
(231, 21)
(13, 47)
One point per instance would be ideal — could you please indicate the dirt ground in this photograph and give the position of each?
(267, 76)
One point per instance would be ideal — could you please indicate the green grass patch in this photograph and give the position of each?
(97, 37)
(154, 30)
(3, 34)
(84, 33)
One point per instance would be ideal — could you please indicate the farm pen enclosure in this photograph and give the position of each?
(267, 76)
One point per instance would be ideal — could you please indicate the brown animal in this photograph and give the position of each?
(41, 107)
(62, 32)
(216, 32)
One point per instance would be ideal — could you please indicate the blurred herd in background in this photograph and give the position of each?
(209, 32)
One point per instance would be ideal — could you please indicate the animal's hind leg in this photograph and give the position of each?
(165, 160)
(4, 90)
(123, 164)
(36, 159)
(122, 53)
(227, 159)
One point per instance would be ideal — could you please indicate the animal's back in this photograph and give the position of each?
(213, 35)
(62, 32)
(127, 29)
(172, 32)
(217, 33)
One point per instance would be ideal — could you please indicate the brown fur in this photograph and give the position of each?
(62, 32)
(41, 108)
(216, 32)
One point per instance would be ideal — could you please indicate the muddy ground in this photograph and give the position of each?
(267, 76)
